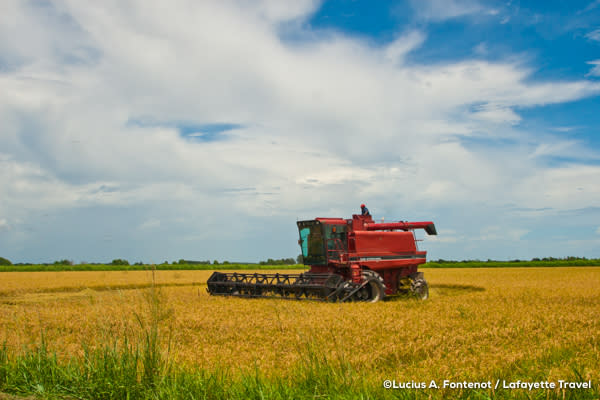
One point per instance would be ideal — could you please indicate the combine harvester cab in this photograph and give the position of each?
(350, 260)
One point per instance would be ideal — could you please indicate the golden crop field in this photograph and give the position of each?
(534, 323)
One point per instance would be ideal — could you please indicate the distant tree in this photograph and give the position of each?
(300, 259)
(281, 261)
(215, 262)
(225, 262)
(63, 262)
(4, 261)
(119, 261)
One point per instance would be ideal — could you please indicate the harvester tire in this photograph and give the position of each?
(375, 287)
(420, 289)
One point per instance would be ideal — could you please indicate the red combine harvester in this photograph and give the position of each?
(350, 260)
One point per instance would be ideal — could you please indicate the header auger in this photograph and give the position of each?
(350, 260)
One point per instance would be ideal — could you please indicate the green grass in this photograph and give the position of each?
(126, 371)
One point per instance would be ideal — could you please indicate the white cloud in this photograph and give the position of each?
(557, 148)
(438, 10)
(592, 5)
(404, 44)
(598, 230)
(4, 226)
(595, 71)
(496, 113)
(499, 233)
(517, 234)
(565, 128)
(568, 187)
(278, 11)
(151, 223)
(446, 235)
(594, 35)
(481, 49)
(326, 121)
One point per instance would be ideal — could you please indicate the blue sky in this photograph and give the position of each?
(204, 130)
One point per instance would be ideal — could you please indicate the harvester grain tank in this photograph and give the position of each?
(353, 259)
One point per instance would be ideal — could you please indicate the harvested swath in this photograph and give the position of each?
(12, 283)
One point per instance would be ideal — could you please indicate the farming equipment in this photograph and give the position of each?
(350, 260)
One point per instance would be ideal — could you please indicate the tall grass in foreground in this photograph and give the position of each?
(128, 372)
(137, 366)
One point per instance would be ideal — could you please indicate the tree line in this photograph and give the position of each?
(121, 261)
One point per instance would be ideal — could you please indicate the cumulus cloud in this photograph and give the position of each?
(320, 124)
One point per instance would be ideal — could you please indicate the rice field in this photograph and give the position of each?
(479, 324)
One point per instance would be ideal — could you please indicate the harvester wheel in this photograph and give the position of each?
(419, 289)
(374, 290)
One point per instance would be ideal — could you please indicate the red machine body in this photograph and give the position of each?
(353, 245)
